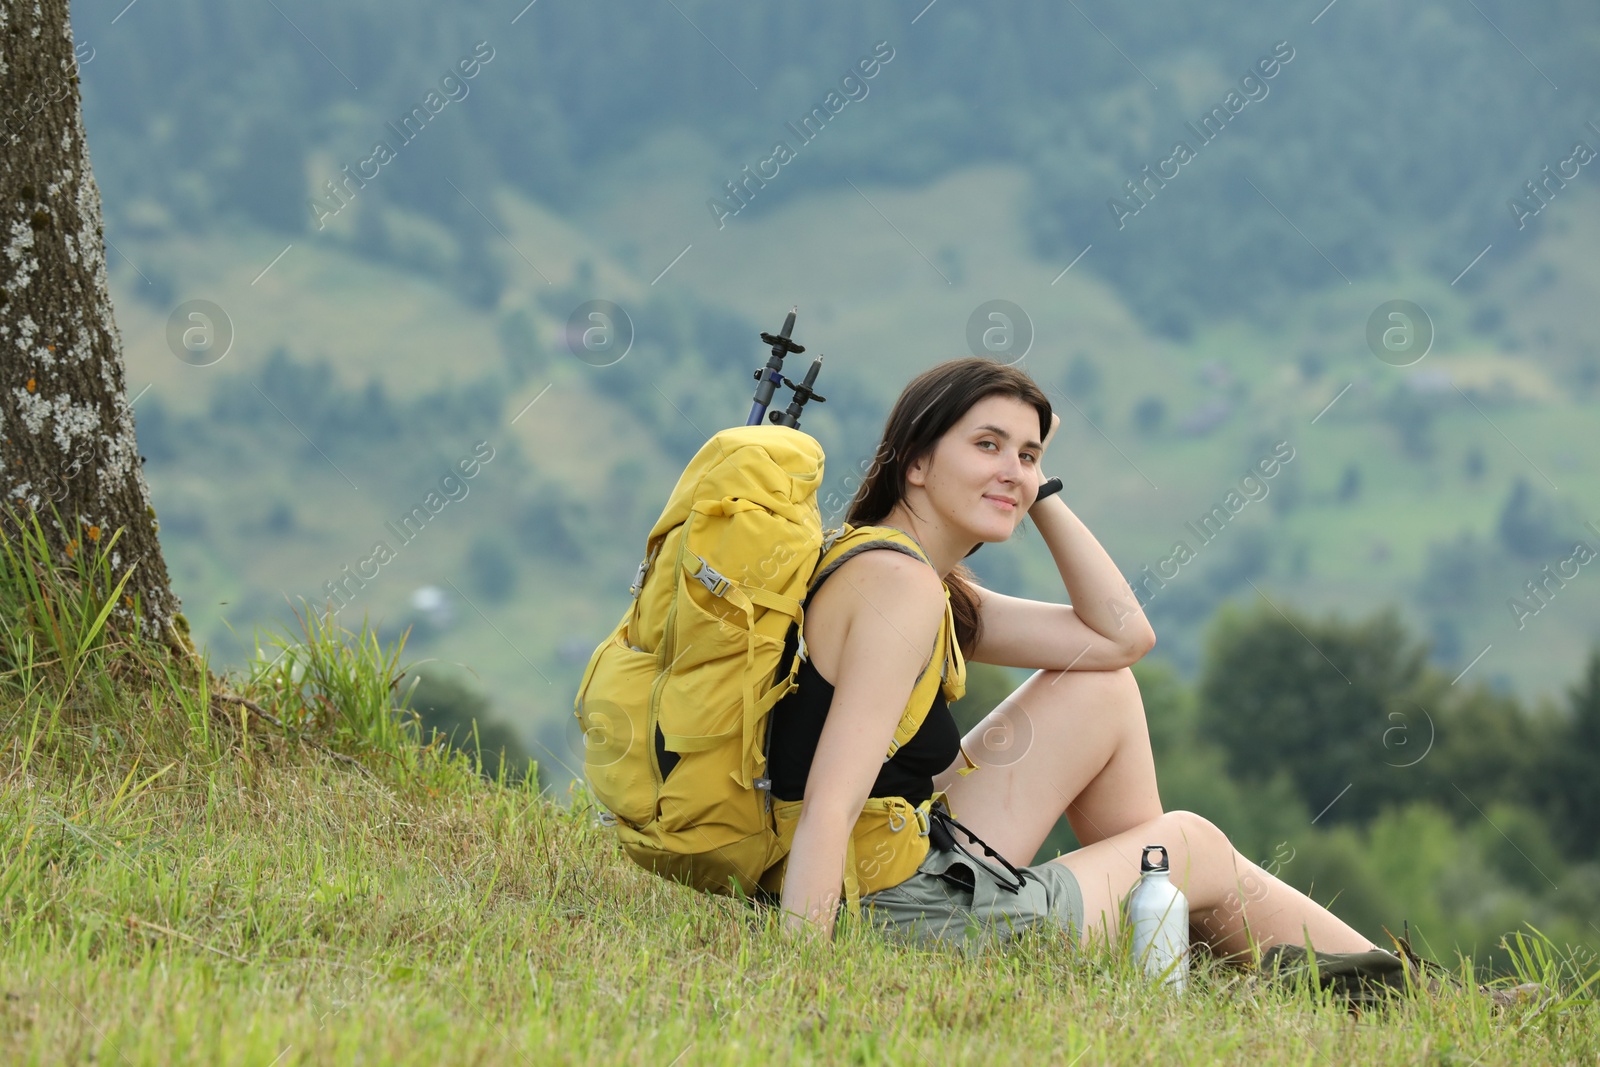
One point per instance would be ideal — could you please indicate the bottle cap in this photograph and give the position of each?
(1144, 859)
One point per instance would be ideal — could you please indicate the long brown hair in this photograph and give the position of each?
(930, 405)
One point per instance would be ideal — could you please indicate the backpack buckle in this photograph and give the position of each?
(605, 818)
(708, 577)
(638, 579)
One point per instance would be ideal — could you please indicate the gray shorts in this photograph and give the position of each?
(957, 899)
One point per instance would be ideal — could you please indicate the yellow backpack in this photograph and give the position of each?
(675, 703)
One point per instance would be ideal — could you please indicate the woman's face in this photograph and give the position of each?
(983, 474)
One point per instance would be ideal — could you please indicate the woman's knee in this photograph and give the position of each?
(1094, 689)
(1203, 840)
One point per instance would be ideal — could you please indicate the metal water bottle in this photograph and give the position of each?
(1158, 914)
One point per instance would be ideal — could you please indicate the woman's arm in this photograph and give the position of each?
(890, 626)
(1102, 629)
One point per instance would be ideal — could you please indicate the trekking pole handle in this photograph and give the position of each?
(771, 376)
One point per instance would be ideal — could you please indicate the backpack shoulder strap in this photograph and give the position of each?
(851, 541)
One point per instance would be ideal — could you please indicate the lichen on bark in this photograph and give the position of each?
(67, 441)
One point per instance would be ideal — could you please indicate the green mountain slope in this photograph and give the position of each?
(579, 475)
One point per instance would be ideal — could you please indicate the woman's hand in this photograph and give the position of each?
(805, 929)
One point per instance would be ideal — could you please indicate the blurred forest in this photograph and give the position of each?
(1336, 758)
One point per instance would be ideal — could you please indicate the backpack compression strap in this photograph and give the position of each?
(745, 598)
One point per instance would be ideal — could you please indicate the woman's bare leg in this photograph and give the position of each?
(1077, 742)
(1065, 741)
(1231, 900)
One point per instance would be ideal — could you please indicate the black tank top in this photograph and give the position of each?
(797, 727)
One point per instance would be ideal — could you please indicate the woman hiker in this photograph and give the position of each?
(965, 447)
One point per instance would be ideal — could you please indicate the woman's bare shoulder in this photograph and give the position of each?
(890, 580)
(882, 620)
(874, 587)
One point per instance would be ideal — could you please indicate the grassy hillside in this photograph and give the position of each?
(268, 869)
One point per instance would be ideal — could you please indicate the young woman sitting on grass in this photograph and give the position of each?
(965, 447)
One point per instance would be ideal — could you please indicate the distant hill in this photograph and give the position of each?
(1389, 137)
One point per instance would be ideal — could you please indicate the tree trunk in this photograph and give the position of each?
(66, 427)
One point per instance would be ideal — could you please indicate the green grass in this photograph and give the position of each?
(273, 868)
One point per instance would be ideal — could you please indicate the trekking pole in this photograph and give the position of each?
(802, 393)
(771, 376)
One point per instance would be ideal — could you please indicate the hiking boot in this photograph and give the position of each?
(1431, 978)
(1366, 979)
(1360, 979)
